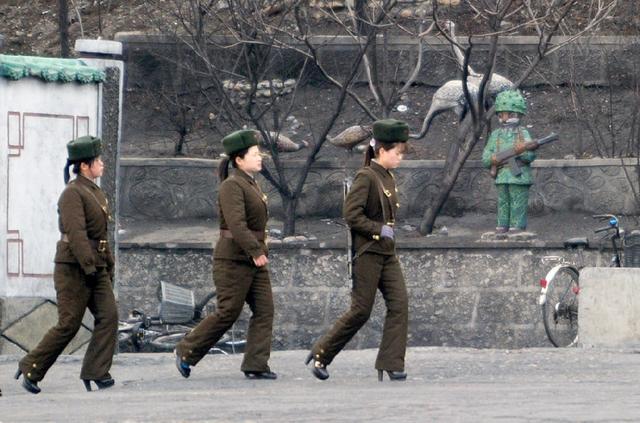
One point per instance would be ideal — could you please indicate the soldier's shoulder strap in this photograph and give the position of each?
(103, 207)
(381, 191)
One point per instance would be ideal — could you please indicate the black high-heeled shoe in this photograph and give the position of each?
(319, 370)
(261, 375)
(28, 384)
(393, 375)
(101, 384)
(183, 368)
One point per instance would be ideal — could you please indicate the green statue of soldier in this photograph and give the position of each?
(512, 186)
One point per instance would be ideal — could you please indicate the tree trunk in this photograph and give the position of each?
(361, 16)
(289, 208)
(452, 168)
(63, 27)
(180, 145)
(432, 212)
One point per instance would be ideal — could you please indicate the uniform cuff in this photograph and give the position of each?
(376, 234)
(255, 253)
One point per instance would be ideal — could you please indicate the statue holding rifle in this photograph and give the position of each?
(509, 153)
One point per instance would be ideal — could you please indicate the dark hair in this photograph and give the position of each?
(371, 153)
(223, 167)
(76, 167)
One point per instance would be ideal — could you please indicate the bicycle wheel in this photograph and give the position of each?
(560, 308)
(167, 343)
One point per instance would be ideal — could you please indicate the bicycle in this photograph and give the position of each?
(178, 314)
(560, 288)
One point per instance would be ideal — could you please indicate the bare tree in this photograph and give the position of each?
(172, 94)
(63, 27)
(549, 19)
(612, 125)
(244, 42)
(385, 77)
(239, 44)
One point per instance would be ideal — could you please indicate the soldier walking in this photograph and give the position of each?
(369, 209)
(240, 263)
(513, 191)
(83, 274)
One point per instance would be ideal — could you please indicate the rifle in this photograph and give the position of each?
(510, 156)
(346, 186)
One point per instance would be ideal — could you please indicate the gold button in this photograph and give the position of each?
(34, 365)
(28, 374)
(376, 237)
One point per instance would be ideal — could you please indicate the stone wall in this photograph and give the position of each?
(606, 55)
(187, 188)
(480, 295)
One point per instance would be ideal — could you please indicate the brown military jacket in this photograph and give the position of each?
(243, 211)
(83, 216)
(363, 209)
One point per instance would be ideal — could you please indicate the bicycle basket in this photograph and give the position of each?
(632, 249)
(176, 304)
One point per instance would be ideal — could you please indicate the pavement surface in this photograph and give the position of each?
(444, 384)
(456, 230)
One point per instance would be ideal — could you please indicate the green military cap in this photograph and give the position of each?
(390, 130)
(511, 101)
(240, 140)
(86, 147)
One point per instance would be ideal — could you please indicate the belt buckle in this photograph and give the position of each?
(102, 246)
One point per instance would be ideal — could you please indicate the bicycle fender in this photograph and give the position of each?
(550, 276)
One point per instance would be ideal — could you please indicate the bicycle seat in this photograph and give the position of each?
(576, 243)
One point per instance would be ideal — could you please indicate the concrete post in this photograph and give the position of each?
(609, 309)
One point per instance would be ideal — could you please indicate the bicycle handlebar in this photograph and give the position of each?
(608, 228)
(614, 222)
(602, 216)
(200, 305)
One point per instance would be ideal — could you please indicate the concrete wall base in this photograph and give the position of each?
(25, 320)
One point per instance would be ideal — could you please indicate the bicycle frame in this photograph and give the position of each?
(563, 305)
(549, 276)
(142, 333)
(615, 260)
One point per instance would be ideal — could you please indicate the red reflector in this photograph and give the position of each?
(543, 283)
(576, 289)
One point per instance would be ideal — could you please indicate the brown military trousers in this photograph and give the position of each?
(74, 296)
(236, 282)
(371, 272)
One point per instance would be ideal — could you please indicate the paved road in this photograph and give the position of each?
(445, 384)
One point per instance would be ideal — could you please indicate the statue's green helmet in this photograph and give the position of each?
(511, 101)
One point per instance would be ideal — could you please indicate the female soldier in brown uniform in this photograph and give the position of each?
(240, 270)
(369, 210)
(82, 274)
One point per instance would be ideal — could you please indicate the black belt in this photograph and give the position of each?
(99, 245)
(226, 233)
